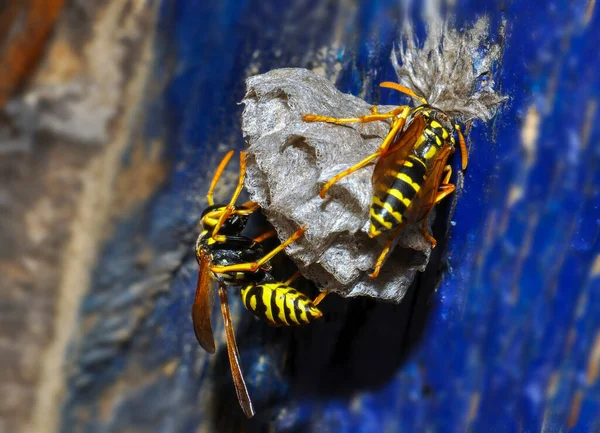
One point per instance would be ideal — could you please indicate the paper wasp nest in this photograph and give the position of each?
(289, 160)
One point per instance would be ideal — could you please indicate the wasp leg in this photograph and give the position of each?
(267, 235)
(348, 171)
(254, 266)
(445, 182)
(397, 125)
(374, 116)
(216, 176)
(320, 297)
(464, 152)
(446, 188)
(384, 253)
(427, 235)
(292, 278)
(230, 207)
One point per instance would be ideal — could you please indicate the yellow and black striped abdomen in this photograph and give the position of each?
(279, 304)
(394, 194)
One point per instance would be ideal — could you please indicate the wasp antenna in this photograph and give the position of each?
(217, 175)
(238, 189)
(464, 152)
(402, 89)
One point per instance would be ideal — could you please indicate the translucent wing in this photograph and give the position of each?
(398, 151)
(203, 303)
(234, 357)
(425, 200)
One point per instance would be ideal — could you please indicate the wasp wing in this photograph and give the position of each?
(234, 357)
(426, 198)
(388, 163)
(203, 303)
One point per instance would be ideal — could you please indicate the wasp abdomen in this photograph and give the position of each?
(279, 304)
(395, 193)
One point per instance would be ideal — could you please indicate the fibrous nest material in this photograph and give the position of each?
(451, 69)
(289, 160)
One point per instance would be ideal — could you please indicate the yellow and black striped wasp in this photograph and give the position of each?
(232, 259)
(411, 173)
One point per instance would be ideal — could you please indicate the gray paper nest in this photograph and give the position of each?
(289, 160)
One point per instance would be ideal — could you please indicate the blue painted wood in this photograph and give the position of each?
(510, 341)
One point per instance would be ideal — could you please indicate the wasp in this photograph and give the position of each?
(411, 173)
(228, 257)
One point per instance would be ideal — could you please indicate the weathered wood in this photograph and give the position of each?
(61, 142)
(24, 29)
